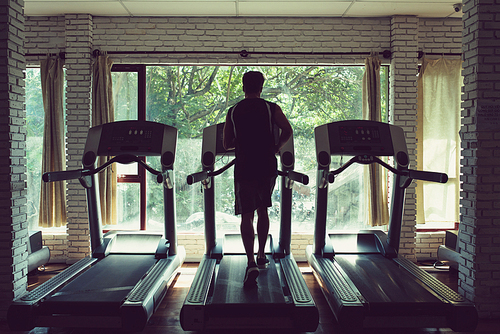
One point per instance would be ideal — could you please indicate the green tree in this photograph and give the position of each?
(191, 98)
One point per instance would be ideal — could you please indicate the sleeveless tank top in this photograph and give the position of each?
(253, 121)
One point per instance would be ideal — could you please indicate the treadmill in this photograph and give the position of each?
(216, 299)
(365, 281)
(125, 278)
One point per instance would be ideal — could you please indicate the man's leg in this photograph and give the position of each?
(262, 230)
(248, 235)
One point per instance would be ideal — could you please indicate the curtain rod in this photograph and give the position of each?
(243, 53)
(61, 55)
(422, 53)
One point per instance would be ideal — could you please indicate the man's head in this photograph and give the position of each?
(253, 82)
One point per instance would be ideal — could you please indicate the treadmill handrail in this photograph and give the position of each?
(203, 175)
(80, 173)
(295, 176)
(410, 173)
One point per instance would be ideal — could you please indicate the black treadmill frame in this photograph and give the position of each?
(198, 312)
(126, 142)
(352, 309)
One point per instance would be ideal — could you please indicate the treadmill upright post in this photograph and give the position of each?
(287, 160)
(209, 207)
(170, 219)
(286, 217)
(94, 214)
(321, 205)
(396, 214)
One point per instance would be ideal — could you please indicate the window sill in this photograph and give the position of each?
(436, 227)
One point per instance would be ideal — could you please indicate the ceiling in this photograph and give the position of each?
(330, 8)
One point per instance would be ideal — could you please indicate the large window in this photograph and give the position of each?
(34, 142)
(35, 117)
(193, 97)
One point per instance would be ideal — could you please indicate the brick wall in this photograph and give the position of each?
(479, 233)
(13, 225)
(403, 102)
(78, 105)
(195, 246)
(440, 36)
(427, 244)
(58, 246)
(235, 34)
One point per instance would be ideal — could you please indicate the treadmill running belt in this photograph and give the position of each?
(101, 289)
(382, 282)
(229, 284)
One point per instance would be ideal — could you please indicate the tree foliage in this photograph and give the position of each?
(193, 97)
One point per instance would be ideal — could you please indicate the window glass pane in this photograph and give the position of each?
(154, 198)
(345, 201)
(128, 207)
(189, 198)
(225, 220)
(126, 169)
(35, 119)
(193, 97)
(34, 141)
(125, 95)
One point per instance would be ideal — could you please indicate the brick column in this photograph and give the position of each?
(403, 110)
(78, 106)
(13, 225)
(479, 235)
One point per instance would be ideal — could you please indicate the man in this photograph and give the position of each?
(249, 129)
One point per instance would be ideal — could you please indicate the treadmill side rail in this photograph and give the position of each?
(340, 292)
(463, 317)
(147, 295)
(192, 315)
(20, 315)
(307, 314)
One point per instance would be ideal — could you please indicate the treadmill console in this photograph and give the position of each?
(132, 139)
(360, 138)
(212, 145)
(139, 138)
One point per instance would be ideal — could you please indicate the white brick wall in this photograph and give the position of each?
(78, 105)
(195, 246)
(427, 244)
(479, 220)
(58, 245)
(403, 102)
(440, 36)
(177, 34)
(13, 225)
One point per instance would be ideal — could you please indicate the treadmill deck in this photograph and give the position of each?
(101, 291)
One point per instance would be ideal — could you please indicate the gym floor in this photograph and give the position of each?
(166, 318)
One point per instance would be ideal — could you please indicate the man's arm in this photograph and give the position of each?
(286, 129)
(228, 137)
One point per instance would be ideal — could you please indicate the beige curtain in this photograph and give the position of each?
(103, 112)
(53, 194)
(375, 176)
(438, 142)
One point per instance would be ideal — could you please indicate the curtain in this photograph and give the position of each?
(53, 194)
(103, 112)
(375, 176)
(438, 142)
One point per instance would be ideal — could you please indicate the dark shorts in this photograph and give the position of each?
(251, 195)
